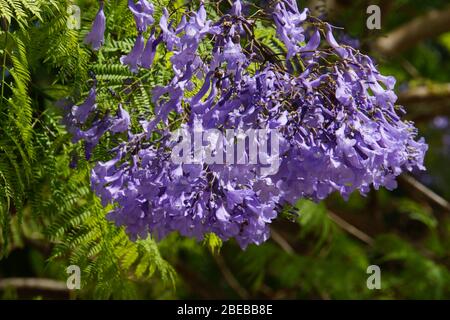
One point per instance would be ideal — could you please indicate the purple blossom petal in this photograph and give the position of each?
(96, 37)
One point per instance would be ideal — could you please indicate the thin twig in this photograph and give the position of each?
(34, 284)
(434, 92)
(230, 278)
(428, 193)
(429, 25)
(278, 239)
(351, 229)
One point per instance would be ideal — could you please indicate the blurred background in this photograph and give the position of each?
(50, 220)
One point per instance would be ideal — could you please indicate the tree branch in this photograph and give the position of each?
(406, 36)
(351, 229)
(278, 239)
(38, 284)
(420, 94)
(428, 193)
(229, 277)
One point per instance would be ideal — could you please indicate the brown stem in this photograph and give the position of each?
(406, 36)
(230, 278)
(351, 229)
(38, 284)
(427, 192)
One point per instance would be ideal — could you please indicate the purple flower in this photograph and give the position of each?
(143, 14)
(149, 52)
(440, 122)
(169, 35)
(133, 59)
(236, 9)
(346, 39)
(233, 55)
(333, 43)
(81, 113)
(289, 21)
(122, 122)
(96, 37)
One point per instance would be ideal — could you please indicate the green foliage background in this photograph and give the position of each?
(50, 219)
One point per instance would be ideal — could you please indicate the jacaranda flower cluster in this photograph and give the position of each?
(340, 129)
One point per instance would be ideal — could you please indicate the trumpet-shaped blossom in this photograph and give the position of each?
(96, 37)
(134, 58)
(142, 11)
